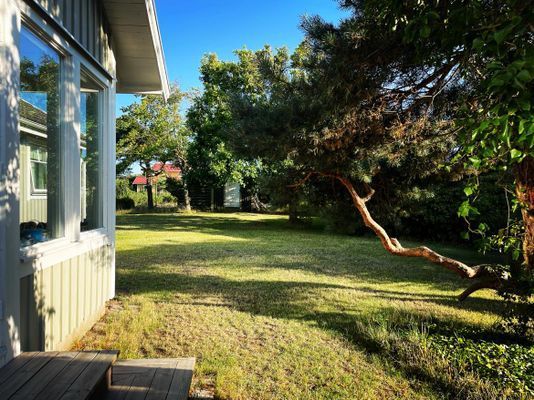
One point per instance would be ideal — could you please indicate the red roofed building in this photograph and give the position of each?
(169, 171)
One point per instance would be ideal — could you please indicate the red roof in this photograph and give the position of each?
(167, 168)
(139, 180)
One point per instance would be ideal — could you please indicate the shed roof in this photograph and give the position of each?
(138, 49)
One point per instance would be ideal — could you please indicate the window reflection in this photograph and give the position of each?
(40, 199)
(90, 153)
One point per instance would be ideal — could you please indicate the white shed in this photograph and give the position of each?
(61, 63)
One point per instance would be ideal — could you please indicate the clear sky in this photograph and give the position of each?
(192, 28)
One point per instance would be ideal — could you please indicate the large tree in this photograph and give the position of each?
(391, 94)
(212, 162)
(152, 130)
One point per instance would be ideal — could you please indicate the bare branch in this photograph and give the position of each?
(484, 284)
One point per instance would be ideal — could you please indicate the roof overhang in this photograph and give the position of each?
(137, 46)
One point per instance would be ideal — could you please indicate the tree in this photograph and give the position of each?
(151, 131)
(215, 156)
(378, 102)
(212, 162)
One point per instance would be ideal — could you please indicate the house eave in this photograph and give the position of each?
(137, 46)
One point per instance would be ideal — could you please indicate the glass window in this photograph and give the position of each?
(41, 204)
(91, 153)
(38, 159)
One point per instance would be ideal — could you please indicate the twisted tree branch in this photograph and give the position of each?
(393, 246)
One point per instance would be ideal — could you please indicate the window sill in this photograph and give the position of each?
(45, 255)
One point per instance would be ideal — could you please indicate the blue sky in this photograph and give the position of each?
(192, 28)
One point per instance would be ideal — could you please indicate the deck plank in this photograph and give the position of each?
(25, 373)
(181, 381)
(141, 383)
(14, 365)
(85, 384)
(152, 379)
(162, 381)
(44, 376)
(62, 382)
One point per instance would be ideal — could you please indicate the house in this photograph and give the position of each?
(61, 64)
(169, 171)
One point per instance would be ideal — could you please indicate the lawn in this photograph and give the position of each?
(275, 312)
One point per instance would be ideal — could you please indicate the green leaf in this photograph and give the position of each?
(501, 35)
(477, 44)
(425, 31)
(475, 161)
(515, 154)
(524, 75)
(468, 190)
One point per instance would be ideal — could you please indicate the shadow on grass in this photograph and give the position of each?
(176, 272)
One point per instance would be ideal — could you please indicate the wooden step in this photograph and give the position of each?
(56, 375)
(151, 379)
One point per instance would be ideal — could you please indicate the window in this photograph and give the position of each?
(41, 204)
(91, 152)
(38, 159)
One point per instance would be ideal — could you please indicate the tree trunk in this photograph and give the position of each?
(187, 199)
(150, 196)
(524, 187)
(293, 208)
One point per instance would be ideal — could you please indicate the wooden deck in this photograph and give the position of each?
(94, 375)
(161, 379)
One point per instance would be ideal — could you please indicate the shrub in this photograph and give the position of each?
(123, 188)
(125, 203)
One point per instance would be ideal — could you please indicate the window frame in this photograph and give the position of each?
(102, 118)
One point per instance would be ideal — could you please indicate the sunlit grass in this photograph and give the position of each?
(272, 311)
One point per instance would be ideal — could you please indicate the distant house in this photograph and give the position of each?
(61, 64)
(169, 171)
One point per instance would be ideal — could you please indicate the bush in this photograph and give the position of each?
(123, 188)
(508, 366)
(125, 203)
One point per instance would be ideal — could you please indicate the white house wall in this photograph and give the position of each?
(85, 20)
(51, 294)
(61, 302)
(9, 173)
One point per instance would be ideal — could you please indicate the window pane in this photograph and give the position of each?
(41, 205)
(90, 153)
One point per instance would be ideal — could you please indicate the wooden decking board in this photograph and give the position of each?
(120, 386)
(156, 379)
(85, 375)
(162, 381)
(86, 382)
(63, 381)
(140, 384)
(24, 374)
(44, 376)
(181, 381)
(12, 367)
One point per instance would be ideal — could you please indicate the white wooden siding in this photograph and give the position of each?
(86, 21)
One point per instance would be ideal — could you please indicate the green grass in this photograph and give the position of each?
(274, 312)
